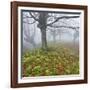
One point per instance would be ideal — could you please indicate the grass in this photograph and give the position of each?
(58, 60)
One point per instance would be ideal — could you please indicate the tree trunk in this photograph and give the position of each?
(74, 41)
(54, 38)
(60, 36)
(42, 25)
(44, 39)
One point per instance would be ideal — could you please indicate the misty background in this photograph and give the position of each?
(63, 30)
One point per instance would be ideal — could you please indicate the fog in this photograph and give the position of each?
(64, 30)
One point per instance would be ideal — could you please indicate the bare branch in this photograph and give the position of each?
(29, 22)
(33, 16)
(63, 17)
(71, 27)
(26, 17)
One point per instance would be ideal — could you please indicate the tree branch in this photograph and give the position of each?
(33, 16)
(63, 17)
(29, 22)
(26, 17)
(65, 27)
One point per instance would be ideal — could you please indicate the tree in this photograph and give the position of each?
(30, 37)
(43, 25)
(46, 19)
(29, 34)
(53, 33)
(75, 36)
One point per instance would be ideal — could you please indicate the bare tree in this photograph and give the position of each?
(75, 36)
(45, 19)
(29, 37)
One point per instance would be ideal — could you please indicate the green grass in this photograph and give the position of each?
(58, 60)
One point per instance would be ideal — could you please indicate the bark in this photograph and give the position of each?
(42, 25)
(44, 39)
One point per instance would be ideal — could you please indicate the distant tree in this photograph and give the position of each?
(75, 36)
(29, 34)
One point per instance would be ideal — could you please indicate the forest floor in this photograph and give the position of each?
(60, 59)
